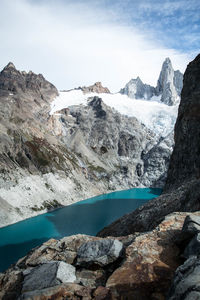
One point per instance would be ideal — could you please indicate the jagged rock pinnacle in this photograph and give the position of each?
(10, 65)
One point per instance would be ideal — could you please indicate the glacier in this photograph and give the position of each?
(154, 114)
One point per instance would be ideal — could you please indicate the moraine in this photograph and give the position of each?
(85, 217)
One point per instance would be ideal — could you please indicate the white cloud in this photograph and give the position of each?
(75, 44)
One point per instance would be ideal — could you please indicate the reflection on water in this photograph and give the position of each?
(88, 217)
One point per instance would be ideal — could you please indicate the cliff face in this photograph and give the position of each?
(185, 159)
(181, 192)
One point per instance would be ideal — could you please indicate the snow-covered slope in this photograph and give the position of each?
(157, 116)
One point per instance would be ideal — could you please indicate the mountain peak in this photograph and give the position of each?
(167, 61)
(10, 65)
(95, 88)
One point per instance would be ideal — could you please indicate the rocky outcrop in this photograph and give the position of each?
(137, 266)
(185, 160)
(169, 84)
(136, 89)
(186, 280)
(95, 88)
(168, 87)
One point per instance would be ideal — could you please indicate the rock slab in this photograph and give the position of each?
(101, 252)
(48, 275)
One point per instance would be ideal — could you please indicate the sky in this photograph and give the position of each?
(76, 43)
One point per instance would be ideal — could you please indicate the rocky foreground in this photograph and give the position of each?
(159, 264)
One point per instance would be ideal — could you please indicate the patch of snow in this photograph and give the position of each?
(157, 116)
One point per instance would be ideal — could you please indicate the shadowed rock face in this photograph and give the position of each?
(182, 192)
(185, 160)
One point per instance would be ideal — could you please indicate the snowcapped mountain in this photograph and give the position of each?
(59, 148)
(156, 108)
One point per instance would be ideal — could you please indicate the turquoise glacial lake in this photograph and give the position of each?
(86, 217)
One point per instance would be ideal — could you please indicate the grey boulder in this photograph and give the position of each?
(101, 252)
(48, 275)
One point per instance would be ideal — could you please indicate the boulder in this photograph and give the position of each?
(47, 275)
(186, 284)
(151, 260)
(91, 278)
(101, 252)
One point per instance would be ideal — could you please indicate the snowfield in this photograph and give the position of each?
(157, 116)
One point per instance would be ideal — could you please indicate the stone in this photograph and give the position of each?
(69, 291)
(101, 252)
(151, 260)
(102, 293)
(193, 296)
(10, 284)
(186, 280)
(91, 278)
(191, 225)
(47, 275)
(193, 248)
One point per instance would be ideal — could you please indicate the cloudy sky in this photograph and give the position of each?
(79, 42)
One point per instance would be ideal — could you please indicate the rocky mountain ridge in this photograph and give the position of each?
(168, 87)
(52, 160)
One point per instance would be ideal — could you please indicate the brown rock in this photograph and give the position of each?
(69, 291)
(10, 284)
(150, 263)
(102, 293)
(91, 278)
(95, 88)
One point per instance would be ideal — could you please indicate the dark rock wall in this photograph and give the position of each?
(185, 159)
